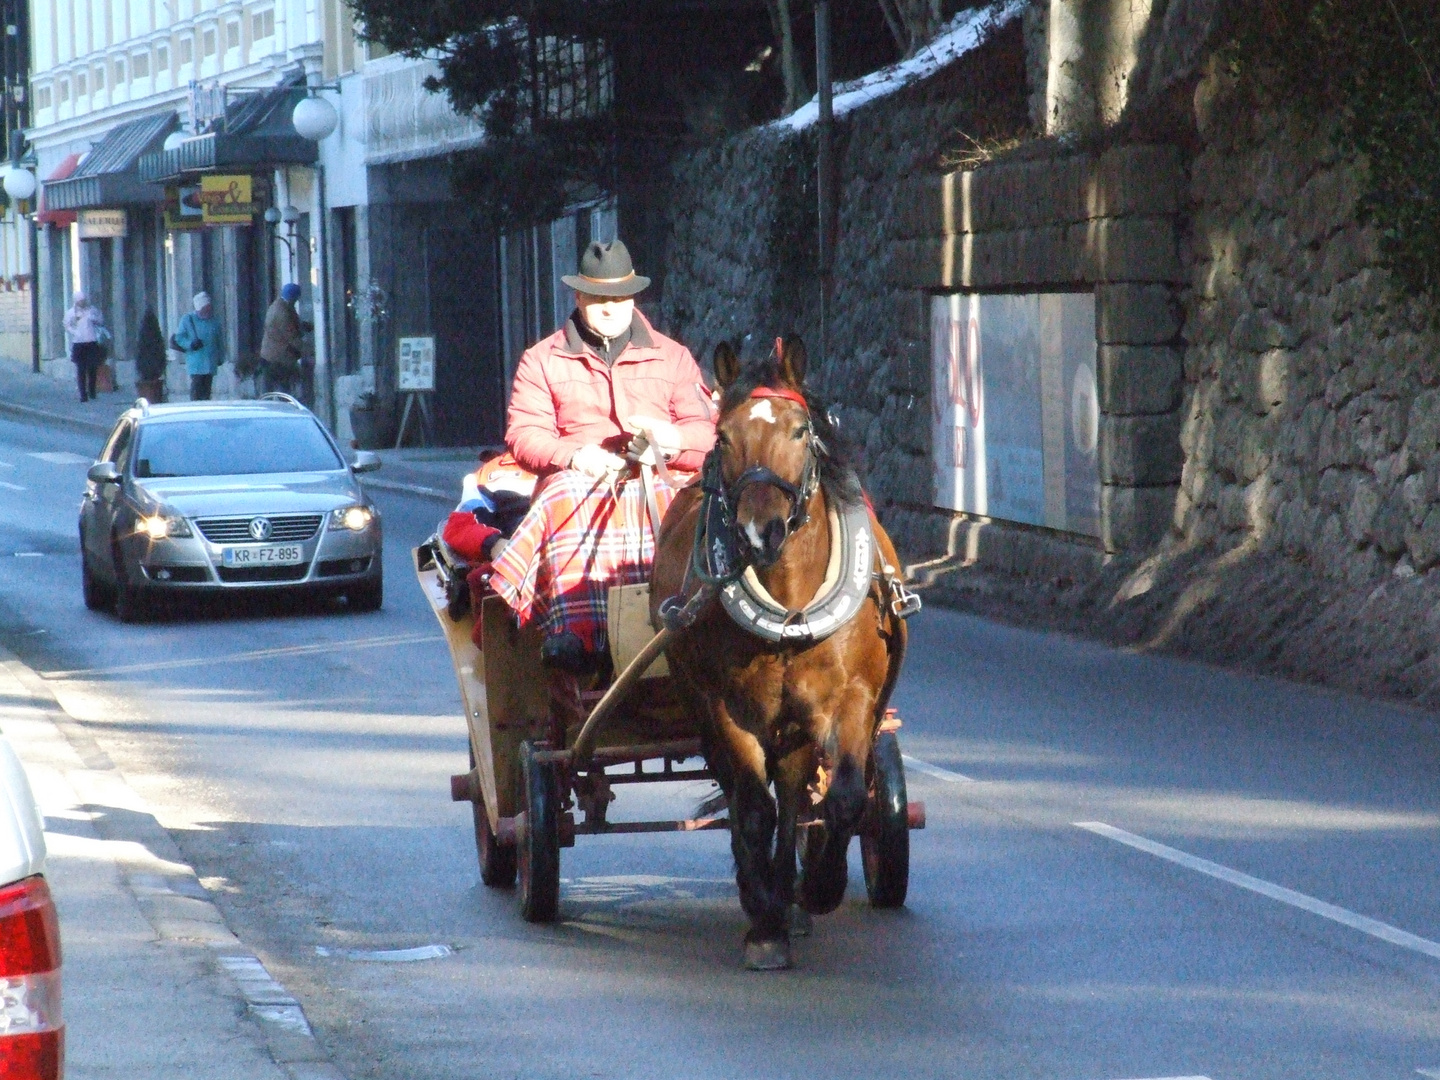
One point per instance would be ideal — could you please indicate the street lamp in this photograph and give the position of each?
(19, 183)
(315, 119)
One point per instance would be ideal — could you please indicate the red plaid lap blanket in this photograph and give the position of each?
(580, 537)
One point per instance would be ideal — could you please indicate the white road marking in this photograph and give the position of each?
(763, 410)
(6, 465)
(935, 771)
(29, 554)
(1434, 1074)
(61, 457)
(11, 487)
(253, 654)
(1365, 924)
(388, 956)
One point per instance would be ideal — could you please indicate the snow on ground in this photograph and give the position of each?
(964, 33)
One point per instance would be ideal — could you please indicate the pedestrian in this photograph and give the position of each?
(83, 325)
(282, 346)
(198, 337)
(150, 358)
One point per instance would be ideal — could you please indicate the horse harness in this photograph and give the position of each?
(718, 563)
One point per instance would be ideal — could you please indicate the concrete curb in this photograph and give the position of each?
(169, 893)
(28, 412)
(446, 497)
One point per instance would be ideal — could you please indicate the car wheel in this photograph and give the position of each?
(96, 595)
(130, 603)
(367, 597)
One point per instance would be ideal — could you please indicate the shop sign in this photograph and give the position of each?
(102, 224)
(417, 365)
(227, 200)
(1015, 411)
(182, 208)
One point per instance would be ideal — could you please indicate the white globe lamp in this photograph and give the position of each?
(19, 183)
(174, 139)
(315, 118)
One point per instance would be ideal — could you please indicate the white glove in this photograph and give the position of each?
(658, 432)
(596, 462)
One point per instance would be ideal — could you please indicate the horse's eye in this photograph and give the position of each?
(799, 434)
(722, 438)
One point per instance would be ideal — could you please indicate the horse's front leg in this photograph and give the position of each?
(847, 745)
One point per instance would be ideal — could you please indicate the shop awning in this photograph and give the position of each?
(109, 175)
(60, 218)
(254, 133)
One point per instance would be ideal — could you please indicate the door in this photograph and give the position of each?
(97, 512)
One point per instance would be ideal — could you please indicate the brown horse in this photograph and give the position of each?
(799, 714)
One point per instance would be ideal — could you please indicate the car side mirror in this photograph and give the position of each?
(104, 472)
(364, 462)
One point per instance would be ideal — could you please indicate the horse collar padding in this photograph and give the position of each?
(847, 581)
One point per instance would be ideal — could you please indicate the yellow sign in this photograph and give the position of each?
(227, 200)
(182, 208)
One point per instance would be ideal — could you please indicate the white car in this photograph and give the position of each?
(32, 1033)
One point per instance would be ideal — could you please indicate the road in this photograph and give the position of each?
(300, 758)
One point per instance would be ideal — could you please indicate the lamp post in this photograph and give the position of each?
(19, 183)
(314, 118)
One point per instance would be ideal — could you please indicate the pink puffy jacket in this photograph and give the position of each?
(565, 397)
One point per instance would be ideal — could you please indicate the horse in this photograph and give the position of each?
(799, 713)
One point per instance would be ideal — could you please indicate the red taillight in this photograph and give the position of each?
(32, 1034)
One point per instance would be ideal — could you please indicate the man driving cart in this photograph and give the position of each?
(604, 384)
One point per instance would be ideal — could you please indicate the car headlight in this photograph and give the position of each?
(354, 518)
(163, 526)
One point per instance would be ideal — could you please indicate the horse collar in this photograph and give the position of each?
(752, 608)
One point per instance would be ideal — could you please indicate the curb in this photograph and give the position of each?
(170, 896)
(446, 497)
(29, 412)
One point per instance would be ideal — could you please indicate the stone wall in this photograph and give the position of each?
(1312, 413)
(742, 252)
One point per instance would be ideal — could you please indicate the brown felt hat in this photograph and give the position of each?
(606, 270)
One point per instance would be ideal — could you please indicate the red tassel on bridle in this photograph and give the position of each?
(784, 392)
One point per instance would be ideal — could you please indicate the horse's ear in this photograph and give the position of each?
(793, 361)
(727, 365)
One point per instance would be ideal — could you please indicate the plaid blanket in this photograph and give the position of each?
(580, 537)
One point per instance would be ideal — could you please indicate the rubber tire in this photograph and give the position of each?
(497, 860)
(885, 852)
(539, 845)
(97, 597)
(367, 597)
(130, 603)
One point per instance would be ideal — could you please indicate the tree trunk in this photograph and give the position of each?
(795, 91)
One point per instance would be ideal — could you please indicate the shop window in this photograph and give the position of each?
(262, 24)
(207, 42)
(42, 97)
(185, 50)
(232, 34)
(162, 59)
(1015, 410)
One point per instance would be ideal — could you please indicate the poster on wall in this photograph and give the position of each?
(227, 200)
(1014, 408)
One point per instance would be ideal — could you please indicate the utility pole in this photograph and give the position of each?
(825, 169)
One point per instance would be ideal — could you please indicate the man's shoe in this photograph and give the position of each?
(566, 652)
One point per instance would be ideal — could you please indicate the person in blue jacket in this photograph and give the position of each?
(198, 336)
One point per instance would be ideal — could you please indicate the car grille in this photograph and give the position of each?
(283, 528)
(262, 573)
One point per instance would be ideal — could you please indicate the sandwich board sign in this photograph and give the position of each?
(417, 365)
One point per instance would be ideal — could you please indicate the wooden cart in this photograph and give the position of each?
(528, 779)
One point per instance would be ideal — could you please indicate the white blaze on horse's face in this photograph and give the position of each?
(763, 410)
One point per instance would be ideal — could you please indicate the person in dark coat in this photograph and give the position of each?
(150, 358)
(282, 347)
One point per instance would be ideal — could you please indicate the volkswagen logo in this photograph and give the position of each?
(260, 528)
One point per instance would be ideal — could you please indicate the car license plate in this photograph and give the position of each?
(270, 555)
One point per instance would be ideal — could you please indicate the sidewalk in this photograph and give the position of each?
(155, 984)
(430, 473)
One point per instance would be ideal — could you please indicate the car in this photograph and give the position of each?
(32, 1030)
(223, 497)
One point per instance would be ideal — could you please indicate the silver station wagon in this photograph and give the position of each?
(226, 495)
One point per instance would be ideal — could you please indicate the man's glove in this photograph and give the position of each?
(661, 432)
(597, 462)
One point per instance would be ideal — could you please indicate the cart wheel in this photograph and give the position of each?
(539, 842)
(885, 849)
(497, 860)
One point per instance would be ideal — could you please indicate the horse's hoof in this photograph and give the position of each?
(800, 921)
(773, 955)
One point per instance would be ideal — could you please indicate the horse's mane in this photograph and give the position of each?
(839, 478)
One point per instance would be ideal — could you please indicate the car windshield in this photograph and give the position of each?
(234, 446)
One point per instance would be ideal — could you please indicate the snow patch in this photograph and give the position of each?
(963, 34)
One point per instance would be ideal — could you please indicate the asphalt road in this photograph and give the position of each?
(1286, 926)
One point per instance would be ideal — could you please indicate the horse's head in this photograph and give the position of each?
(766, 447)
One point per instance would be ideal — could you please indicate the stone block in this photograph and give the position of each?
(1140, 450)
(1139, 379)
(1129, 249)
(1129, 314)
(1143, 181)
(1135, 518)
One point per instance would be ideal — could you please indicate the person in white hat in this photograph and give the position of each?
(199, 338)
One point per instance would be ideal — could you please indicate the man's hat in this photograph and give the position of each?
(606, 270)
